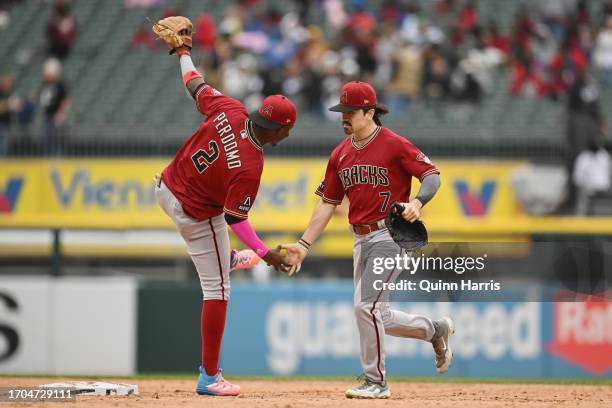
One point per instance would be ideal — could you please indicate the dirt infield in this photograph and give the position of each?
(322, 393)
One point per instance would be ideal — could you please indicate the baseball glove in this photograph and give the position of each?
(176, 31)
(408, 235)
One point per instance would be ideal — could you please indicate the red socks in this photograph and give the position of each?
(213, 324)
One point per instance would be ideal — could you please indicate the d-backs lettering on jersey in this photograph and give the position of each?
(218, 169)
(373, 176)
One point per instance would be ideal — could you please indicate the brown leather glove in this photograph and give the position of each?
(176, 31)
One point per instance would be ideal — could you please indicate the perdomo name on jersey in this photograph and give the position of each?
(228, 139)
(364, 174)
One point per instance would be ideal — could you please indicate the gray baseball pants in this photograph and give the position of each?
(207, 242)
(375, 317)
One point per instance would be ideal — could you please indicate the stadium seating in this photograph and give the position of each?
(123, 96)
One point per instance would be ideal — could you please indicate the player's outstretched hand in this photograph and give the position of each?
(412, 210)
(274, 258)
(295, 256)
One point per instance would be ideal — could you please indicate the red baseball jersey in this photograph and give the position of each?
(373, 176)
(219, 168)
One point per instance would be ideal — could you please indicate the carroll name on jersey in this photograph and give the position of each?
(364, 174)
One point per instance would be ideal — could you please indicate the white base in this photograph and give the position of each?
(83, 388)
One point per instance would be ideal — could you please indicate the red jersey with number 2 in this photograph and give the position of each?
(219, 168)
(373, 176)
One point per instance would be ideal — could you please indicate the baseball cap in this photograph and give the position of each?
(355, 95)
(275, 112)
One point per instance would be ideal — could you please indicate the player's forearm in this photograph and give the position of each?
(319, 220)
(247, 235)
(192, 79)
(429, 187)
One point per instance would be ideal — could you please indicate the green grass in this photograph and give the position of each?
(445, 380)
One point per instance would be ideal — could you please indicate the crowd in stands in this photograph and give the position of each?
(451, 53)
(51, 100)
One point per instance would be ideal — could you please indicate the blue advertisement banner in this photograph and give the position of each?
(308, 328)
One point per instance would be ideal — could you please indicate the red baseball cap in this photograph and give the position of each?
(275, 112)
(355, 95)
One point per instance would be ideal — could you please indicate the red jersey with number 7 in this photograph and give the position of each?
(373, 176)
(219, 168)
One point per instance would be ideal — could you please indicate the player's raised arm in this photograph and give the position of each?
(177, 31)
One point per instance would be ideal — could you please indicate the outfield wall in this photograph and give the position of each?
(114, 326)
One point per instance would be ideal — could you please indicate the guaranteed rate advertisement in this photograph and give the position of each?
(309, 329)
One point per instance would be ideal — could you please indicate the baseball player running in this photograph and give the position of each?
(211, 183)
(373, 167)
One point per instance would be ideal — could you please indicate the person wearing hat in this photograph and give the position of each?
(373, 167)
(211, 183)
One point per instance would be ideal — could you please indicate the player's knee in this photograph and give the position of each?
(215, 296)
(216, 293)
(363, 309)
(386, 315)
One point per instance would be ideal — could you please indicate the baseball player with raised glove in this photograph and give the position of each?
(374, 168)
(211, 183)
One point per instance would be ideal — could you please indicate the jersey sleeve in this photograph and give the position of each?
(415, 161)
(241, 194)
(330, 190)
(209, 100)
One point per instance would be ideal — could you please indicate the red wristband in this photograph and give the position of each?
(182, 52)
(191, 75)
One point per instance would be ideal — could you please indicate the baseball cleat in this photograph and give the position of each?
(444, 355)
(369, 390)
(215, 385)
(244, 259)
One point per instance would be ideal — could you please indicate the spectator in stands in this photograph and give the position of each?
(6, 111)
(405, 82)
(241, 80)
(54, 102)
(142, 3)
(543, 47)
(523, 29)
(554, 14)
(14, 110)
(335, 14)
(568, 64)
(436, 75)
(444, 7)
(143, 38)
(61, 30)
(5, 15)
(603, 50)
(206, 32)
(468, 18)
(585, 125)
(493, 39)
(525, 81)
(480, 62)
(591, 177)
